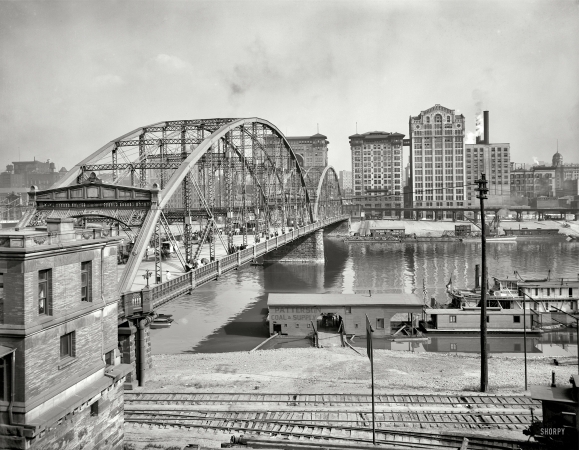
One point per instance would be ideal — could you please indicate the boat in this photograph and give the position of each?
(532, 232)
(467, 320)
(538, 295)
(502, 239)
(162, 321)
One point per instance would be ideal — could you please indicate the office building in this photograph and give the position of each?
(437, 158)
(494, 160)
(377, 170)
(311, 151)
(345, 180)
(542, 180)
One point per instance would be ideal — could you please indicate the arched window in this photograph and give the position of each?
(438, 118)
(427, 119)
(448, 118)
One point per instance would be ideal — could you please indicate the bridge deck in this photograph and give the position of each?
(149, 298)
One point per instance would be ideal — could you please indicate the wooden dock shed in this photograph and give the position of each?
(298, 314)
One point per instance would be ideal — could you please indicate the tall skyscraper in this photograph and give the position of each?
(377, 170)
(437, 158)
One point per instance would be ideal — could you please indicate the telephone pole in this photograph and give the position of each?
(484, 369)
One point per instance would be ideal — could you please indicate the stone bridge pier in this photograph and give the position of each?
(307, 249)
(135, 349)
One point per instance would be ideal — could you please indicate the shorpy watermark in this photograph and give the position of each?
(552, 431)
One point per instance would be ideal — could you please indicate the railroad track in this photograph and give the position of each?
(402, 421)
(194, 398)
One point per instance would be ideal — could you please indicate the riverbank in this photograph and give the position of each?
(332, 370)
(430, 228)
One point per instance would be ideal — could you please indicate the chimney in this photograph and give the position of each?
(486, 127)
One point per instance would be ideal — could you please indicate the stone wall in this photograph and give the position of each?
(128, 351)
(86, 428)
(306, 249)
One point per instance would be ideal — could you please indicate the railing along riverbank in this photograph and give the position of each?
(150, 297)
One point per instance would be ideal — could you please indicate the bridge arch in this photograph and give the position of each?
(328, 199)
(240, 170)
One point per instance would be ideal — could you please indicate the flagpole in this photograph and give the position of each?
(370, 352)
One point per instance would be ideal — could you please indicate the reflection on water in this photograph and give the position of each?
(229, 315)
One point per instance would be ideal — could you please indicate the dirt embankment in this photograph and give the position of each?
(331, 370)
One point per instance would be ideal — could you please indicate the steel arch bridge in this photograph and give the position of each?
(219, 176)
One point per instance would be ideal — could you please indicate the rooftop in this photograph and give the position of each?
(58, 233)
(377, 135)
(411, 300)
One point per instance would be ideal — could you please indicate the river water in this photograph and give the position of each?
(229, 314)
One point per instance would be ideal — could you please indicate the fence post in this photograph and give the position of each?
(218, 267)
(254, 252)
(266, 241)
(146, 300)
(276, 241)
(238, 259)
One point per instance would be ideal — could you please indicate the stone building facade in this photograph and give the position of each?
(437, 158)
(61, 373)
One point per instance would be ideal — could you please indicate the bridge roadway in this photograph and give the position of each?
(149, 298)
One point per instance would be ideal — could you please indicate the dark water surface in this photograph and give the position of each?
(229, 315)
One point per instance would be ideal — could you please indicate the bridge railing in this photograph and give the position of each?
(148, 298)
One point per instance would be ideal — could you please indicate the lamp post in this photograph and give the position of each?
(577, 323)
(147, 275)
(484, 371)
(525, 333)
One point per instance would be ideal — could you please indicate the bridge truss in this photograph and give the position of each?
(212, 177)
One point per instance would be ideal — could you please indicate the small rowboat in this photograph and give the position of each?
(162, 321)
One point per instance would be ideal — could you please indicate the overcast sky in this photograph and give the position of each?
(75, 75)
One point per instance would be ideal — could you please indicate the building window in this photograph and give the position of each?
(452, 319)
(67, 345)
(380, 324)
(1, 285)
(488, 319)
(348, 310)
(86, 281)
(516, 319)
(453, 346)
(45, 292)
(4, 374)
(110, 358)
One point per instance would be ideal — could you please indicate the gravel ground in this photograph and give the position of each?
(333, 370)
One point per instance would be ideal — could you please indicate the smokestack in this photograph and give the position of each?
(486, 127)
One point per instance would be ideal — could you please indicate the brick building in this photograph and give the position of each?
(61, 381)
(311, 151)
(377, 171)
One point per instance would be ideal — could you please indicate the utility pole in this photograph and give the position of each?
(484, 369)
